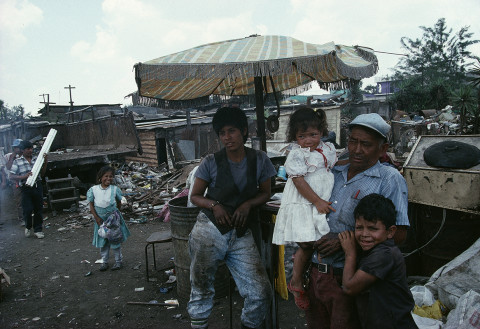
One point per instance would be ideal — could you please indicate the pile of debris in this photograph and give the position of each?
(427, 122)
(146, 190)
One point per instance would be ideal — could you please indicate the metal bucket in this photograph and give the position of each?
(182, 220)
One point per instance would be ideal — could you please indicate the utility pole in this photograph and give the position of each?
(46, 102)
(70, 91)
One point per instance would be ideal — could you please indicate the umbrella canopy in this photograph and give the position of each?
(229, 67)
(255, 65)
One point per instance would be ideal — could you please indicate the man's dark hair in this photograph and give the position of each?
(374, 207)
(103, 171)
(25, 145)
(230, 116)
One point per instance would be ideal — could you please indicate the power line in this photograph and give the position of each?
(388, 53)
(384, 52)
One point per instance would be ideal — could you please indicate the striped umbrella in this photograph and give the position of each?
(255, 65)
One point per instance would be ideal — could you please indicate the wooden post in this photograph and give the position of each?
(47, 103)
(71, 102)
(70, 91)
(259, 110)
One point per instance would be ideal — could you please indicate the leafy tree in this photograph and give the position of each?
(439, 53)
(475, 72)
(436, 65)
(410, 96)
(356, 91)
(8, 114)
(475, 82)
(465, 101)
(439, 93)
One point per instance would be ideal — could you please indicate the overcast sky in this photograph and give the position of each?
(46, 45)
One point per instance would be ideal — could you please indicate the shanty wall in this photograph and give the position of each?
(8, 133)
(174, 145)
(109, 134)
(149, 147)
(372, 106)
(112, 131)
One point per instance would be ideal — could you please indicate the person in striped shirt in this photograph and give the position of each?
(32, 196)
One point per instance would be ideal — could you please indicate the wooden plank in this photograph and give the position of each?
(37, 166)
(148, 143)
(64, 200)
(61, 189)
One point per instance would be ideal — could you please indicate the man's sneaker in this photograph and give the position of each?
(117, 266)
(28, 232)
(104, 267)
(39, 235)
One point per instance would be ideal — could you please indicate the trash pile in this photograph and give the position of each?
(443, 122)
(428, 122)
(451, 297)
(146, 190)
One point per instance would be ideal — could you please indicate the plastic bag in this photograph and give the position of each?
(422, 296)
(102, 231)
(111, 228)
(457, 277)
(467, 313)
(426, 323)
(433, 311)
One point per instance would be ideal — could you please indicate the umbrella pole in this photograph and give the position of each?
(259, 109)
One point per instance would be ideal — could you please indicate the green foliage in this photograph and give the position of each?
(356, 91)
(475, 72)
(9, 114)
(439, 93)
(411, 96)
(465, 101)
(436, 65)
(438, 54)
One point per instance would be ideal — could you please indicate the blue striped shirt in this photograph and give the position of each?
(380, 179)
(21, 166)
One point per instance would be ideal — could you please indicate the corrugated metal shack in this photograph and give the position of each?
(67, 113)
(93, 141)
(175, 141)
(90, 142)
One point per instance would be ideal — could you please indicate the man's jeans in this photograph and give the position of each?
(208, 247)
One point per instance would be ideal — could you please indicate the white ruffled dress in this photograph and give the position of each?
(298, 220)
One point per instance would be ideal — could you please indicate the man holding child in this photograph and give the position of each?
(330, 306)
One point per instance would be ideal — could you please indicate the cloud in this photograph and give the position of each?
(104, 48)
(132, 31)
(149, 30)
(379, 26)
(15, 18)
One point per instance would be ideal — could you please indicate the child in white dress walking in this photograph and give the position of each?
(302, 214)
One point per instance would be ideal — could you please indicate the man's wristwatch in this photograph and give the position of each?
(213, 204)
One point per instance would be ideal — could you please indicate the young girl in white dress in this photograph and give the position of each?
(105, 199)
(302, 214)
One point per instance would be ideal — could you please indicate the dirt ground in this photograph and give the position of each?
(55, 282)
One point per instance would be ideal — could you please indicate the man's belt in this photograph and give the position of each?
(325, 268)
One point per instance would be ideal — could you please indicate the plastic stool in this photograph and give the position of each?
(156, 237)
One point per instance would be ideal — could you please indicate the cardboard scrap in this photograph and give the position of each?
(4, 276)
